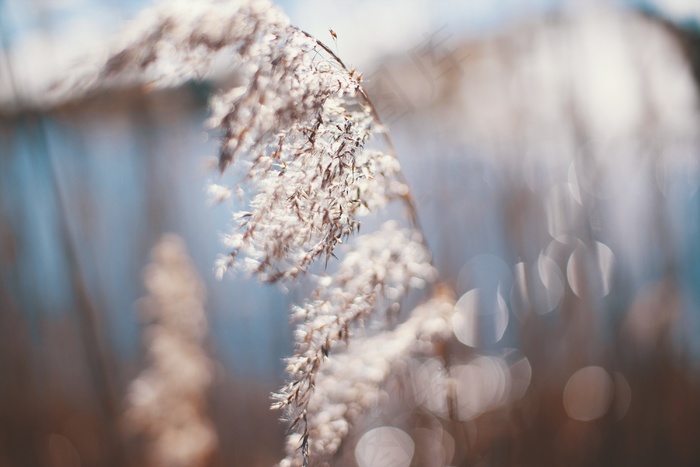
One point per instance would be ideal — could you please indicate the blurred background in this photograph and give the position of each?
(553, 149)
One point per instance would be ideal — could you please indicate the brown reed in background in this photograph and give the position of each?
(166, 403)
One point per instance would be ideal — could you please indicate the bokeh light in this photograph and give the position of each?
(384, 447)
(588, 394)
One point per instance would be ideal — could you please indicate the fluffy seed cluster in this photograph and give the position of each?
(166, 403)
(294, 130)
(349, 383)
(309, 195)
(298, 128)
(377, 272)
(295, 125)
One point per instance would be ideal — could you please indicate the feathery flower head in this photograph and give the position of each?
(295, 126)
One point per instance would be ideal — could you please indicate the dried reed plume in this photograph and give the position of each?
(295, 126)
(294, 130)
(166, 403)
(297, 129)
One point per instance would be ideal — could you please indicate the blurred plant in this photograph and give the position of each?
(166, 403)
